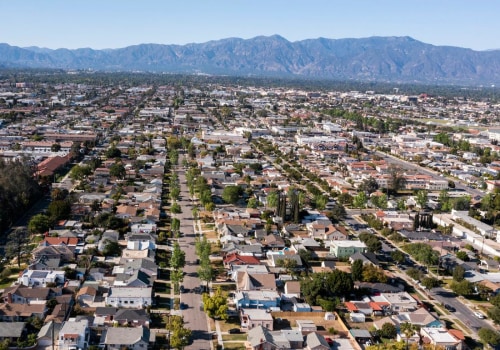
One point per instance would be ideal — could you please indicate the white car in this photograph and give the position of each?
(479, 315)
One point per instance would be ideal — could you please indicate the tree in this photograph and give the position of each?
(397, 180)
(205, 272)
(397, 256)
(369, 185)
(408, 330)
(489, 337)
(373, 243)
(388, 331)
(176, 276)
(112, 248)
(175, 208)
(178, 334)
(17, 242)
(56, 147)
(252, 203)
(38, 224)
(359, 200)
(373, 274)
(215, 306)
(494, 314)
(379, 201)
(306, 256)
(463, 288)
(113, 152)
(175, 225)
(178, 257)
(231, 194)
(422, 198)
(345, 198)
(430, 282)
(60, 209)
(458, 273)
(320, 201)
(272, 199)
(326, 286)
(79, 172)
(288, 264)
(117, 170)
(357, 270)
(461, 203)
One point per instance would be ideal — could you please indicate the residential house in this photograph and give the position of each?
(74, 334)
(292, 289)
(133, 278)
(344, 249)
(237, 259)
(145, 265)
(257, 299)
(252, 269)
(119, 338)
(45, 262)
(251, 318)
(397, 302)
(62, 252)
(12, 331)
(261, 338)
(129, 297)
(141, 241)
(107, 237)
(131, 318)
(21, 312)
(277, 259)
(420, 317)
(257, 281)
(368, 258)
(48, 333)
(20, 294)
(96, 274)
(315, 341)
(38, 278)
(86, 295)
(273, 242)
(443, 338)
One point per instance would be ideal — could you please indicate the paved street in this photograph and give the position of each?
(463, 312)
(194, 317)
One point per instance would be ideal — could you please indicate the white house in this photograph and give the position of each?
(130, 297)
(74, 335)
(40, 278)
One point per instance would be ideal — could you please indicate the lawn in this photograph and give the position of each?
(234, 337)
(231, 322)
(7, 282)
(163, 302)
(162, 287)
(234, 346)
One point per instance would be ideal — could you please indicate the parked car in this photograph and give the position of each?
(479, 315)
(329, 341)
(234, 331)
(449, 308)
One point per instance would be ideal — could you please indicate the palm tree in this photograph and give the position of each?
(409, 330)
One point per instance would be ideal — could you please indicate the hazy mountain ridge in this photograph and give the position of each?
(401, 59)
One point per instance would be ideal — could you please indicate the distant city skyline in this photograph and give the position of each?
(114, 24)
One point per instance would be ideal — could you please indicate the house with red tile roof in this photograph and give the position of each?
(237, 259)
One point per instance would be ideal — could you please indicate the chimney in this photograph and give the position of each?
(9, 298)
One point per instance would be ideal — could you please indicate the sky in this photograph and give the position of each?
(101, 24)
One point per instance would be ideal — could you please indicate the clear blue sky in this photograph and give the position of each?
(118, 23)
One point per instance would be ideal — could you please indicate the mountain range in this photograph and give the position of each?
(383, 59)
